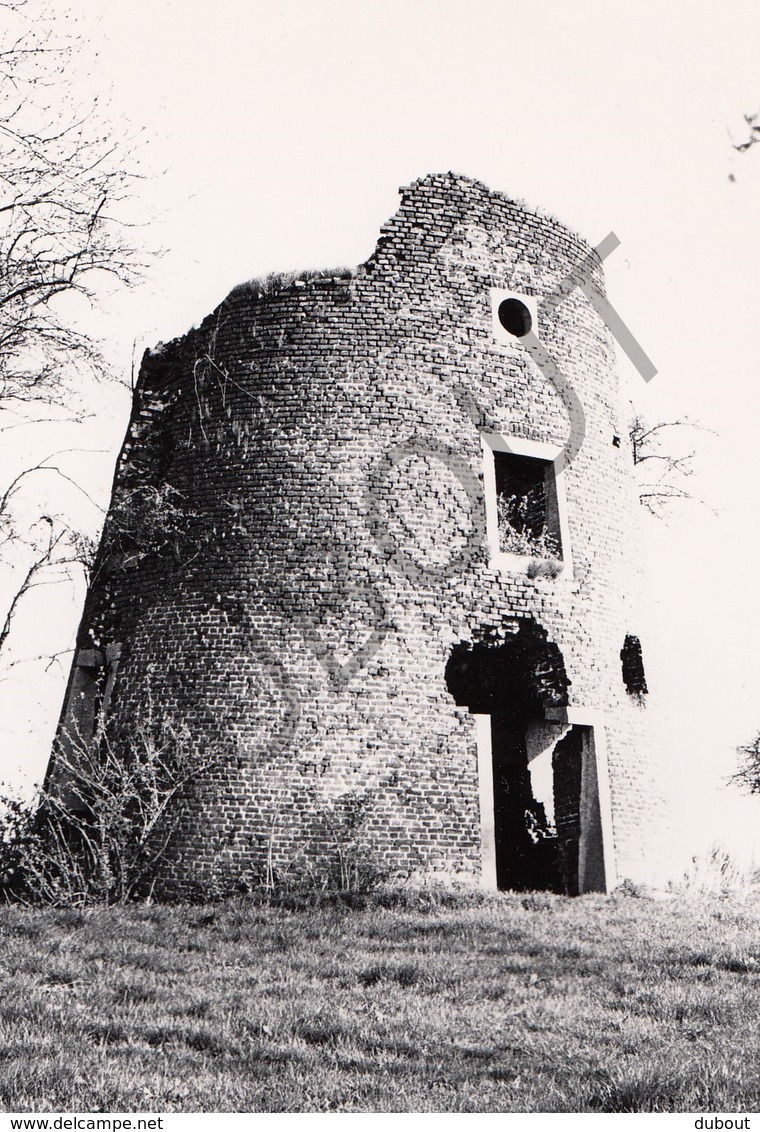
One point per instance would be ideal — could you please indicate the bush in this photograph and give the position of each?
(516, 535)
(747, 777)
(717, 873)
(97, 832)
(544, 568)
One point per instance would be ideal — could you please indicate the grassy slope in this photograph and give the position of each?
(532, 1003)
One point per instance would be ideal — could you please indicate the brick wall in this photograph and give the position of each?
(296, 545)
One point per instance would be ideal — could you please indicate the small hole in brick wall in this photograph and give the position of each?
(633, 667)
(515, 317)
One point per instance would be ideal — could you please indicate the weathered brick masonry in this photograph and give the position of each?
(296, 564)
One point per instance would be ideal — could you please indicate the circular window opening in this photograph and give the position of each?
(515, 317)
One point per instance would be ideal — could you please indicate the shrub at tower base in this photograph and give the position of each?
(100, 833)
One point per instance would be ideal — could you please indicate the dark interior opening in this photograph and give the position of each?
(634, 677)
(518, 675)
(521, 485)
(526, 845)
(527, 506)
(515, 317)
(567, 765)
(513, 681)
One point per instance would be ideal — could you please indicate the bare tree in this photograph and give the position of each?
(64, 185)
(663, 466)
(747, 777)
(47, 549)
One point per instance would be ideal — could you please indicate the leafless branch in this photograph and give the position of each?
(65, 186)
(665, 466)
(754, 133)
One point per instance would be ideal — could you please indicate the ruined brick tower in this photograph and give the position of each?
(373, 540)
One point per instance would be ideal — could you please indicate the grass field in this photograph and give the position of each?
(500, 1004)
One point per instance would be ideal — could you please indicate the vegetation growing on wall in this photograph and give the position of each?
(99, 830)
(515, 533)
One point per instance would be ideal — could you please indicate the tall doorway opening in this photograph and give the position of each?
(525, 847)
(540, 815)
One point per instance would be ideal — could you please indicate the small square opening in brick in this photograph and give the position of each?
(632, 661)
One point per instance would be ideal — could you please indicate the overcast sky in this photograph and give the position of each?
(275, 136)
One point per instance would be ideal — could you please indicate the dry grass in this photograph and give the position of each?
(511, 1003)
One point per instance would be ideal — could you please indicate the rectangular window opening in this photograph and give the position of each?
(527, 507)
